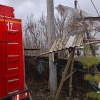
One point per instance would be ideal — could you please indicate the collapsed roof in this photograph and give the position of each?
(72, 11)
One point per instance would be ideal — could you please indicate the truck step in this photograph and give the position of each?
(13, 80)
(13, 55)
(13, 92)
(13, 68)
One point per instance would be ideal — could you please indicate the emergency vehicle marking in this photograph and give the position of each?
(11, 21)
(10, 25)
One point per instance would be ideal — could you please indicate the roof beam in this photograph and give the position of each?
(89, 19)
(31, 49)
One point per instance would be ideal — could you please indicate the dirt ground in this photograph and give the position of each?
(38, 89)
(38, 83)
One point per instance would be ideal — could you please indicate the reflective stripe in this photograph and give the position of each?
(17, 22)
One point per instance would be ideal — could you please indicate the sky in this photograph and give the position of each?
(23, 8)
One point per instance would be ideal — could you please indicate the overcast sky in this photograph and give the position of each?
(26, 7)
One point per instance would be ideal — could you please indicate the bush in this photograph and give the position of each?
(89, 61)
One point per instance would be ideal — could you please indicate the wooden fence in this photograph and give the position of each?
(32, 72)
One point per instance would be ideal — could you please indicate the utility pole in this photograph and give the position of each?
(52, 67)
(75, 3)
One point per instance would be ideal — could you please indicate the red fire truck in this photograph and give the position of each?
(12, 82)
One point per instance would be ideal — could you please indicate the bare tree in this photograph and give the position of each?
(35, 34)
(64, 23)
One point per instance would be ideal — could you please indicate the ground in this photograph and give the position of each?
(39, 91)
(38, 83)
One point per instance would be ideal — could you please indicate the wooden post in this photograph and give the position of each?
(70, 81)
(64, 74)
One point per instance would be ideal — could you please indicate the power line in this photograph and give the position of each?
(95, 7)
(78, 5)
(79, 8)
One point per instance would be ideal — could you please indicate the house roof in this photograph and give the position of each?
(67, 42)
(72, 11)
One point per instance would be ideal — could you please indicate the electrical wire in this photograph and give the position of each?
(79, 8)
(95, 7)
(78, 5)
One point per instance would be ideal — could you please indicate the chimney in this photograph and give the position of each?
(75, 3)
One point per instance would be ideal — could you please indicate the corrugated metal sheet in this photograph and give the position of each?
(66, 42)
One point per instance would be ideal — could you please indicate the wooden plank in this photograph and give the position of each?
(46, 53)
(31, 49)
(89, 19)
(95, 42)
(90, 40)
(64, 74)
